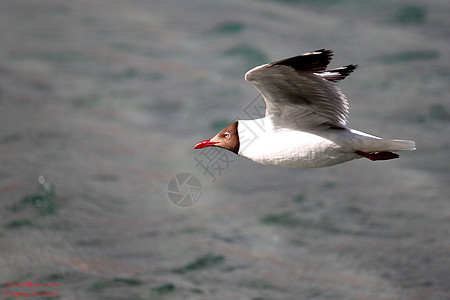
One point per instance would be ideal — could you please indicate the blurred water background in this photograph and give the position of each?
(102, 102)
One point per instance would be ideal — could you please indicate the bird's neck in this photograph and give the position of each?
(251, 130)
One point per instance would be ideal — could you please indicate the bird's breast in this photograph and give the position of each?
(295, 149)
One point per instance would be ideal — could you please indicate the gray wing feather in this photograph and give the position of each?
(302, 96)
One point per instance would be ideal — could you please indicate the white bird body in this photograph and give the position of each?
(305, 121)
(308, 149)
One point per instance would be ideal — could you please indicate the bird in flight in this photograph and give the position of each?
(305, 119)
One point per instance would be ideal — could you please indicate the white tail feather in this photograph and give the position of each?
(401, 145)
(371, 143)
(377, 145)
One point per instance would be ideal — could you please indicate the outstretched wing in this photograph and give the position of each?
(300, 93)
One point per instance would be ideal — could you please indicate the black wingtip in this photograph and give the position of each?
(314, 61)
(324, 51)
(345, 71)
(351, 68)
(338, 73)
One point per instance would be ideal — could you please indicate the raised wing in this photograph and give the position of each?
(300, 93)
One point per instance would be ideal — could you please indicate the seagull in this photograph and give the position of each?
(305, 118)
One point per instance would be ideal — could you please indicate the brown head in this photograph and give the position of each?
(227, 138)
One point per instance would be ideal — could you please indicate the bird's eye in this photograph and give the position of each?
(227, 135)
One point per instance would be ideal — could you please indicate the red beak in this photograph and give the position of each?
(204, 144)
